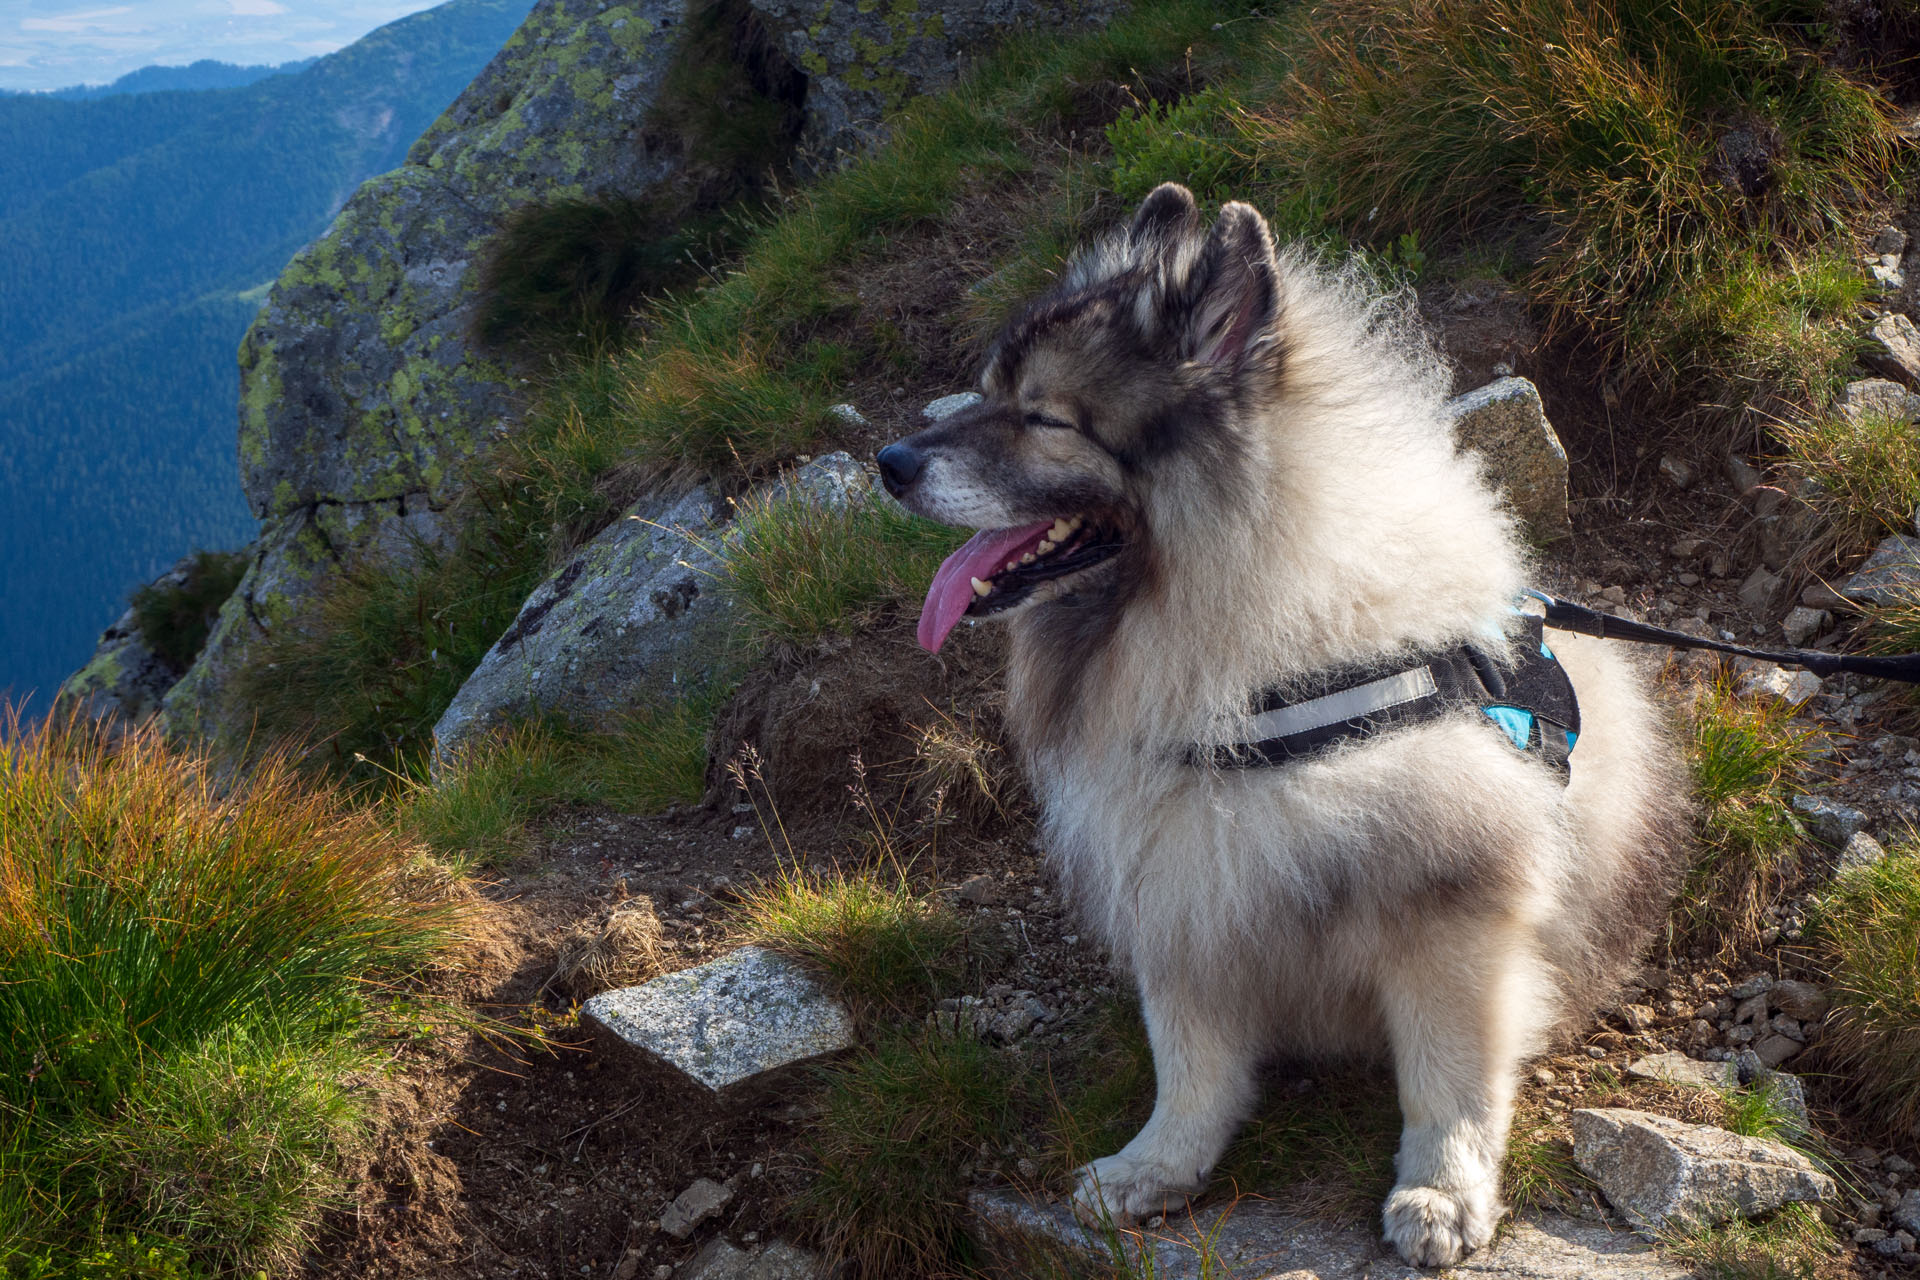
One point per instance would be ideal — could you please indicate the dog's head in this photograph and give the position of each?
(1154, 345)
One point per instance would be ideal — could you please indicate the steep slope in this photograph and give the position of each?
(131, 229)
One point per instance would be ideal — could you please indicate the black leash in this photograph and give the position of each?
(1564, 615)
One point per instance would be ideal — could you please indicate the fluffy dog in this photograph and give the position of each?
(1204, 470)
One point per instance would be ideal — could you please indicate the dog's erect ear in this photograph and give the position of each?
(1165, 217)
(1235, 287)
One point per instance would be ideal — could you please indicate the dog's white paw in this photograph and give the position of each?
(1121, 1190)
(1435, 1228)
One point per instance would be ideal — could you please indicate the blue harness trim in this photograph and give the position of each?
(1531, 700)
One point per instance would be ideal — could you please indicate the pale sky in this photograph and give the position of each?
(49, 44)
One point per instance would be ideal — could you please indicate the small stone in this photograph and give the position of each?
(694, 1206)
(1678, 472)
(1742, 1034)
(1752, 1009)
(1782, 1025)
(978, 890)
(1741, 474)
(1891, 574)
(1888, 240)
(1869, 1235)
(1906, 1214)
(1759, 589)
(1595, 1052)
(1800, 1000)
(1690, 548)
(947, 406)
(1887, 277)
(847, 414)
(1893, 347)
(1689, 579)
(1830, 821)
(1802, 624)
(1775, 1049)
(1897, 1164)
(1638, 1017)
(1891, 1247)
(1862, 850)
(1542, 1076)
(1658, 1171)
(1765, 680)
(663, 1272)
(1878, 398)
(1758, 984)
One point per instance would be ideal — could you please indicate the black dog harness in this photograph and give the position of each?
(1531, 700)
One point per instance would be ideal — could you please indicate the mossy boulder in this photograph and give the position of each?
(124, 681)
(864, 61)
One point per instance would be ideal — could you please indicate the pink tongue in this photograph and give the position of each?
(984, 554)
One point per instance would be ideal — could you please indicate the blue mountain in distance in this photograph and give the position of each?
(138, 231)
(204, 74)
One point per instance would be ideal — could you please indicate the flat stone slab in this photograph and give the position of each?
(1658, 1171)
(723, 1023)
(1261, 1240)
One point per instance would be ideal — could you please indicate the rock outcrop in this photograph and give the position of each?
(863, 61)
(361, 392)
(124, 681)
(1661, 1172)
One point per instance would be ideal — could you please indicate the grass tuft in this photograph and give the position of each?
(895, 1146)
(175, 620)
(186, 970)
(1792, 1244)
(1866, 932)
(1747, 759)
(1863, 474)
(803, 569)
(476, 811)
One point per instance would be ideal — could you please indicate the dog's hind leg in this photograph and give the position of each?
(1457, 1003)
(1203, 1066)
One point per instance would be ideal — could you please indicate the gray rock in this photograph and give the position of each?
(1906, 1214)
(1678, 1068)
(1829, 820)
(1888, 279)
(1260, 1238)
(1801, 1000)
(1774, 1049)
(694, 1206)
(124, 681)
(865, 61)
(1766, 680)
(636, 618)
(1802, 624)
(1505, 423)
(1893, 347)
(722, 1260)
(1657, 1171)
(1891, 574)
(947, 406)
(1758, 591)
(1677, 471)
(1878, 398)
(1862, 850)
(725, 1023)
(1742, 475)
(1757, 984)
(1889, 240)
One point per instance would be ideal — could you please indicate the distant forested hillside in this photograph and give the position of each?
(204, 74)
(136, 231)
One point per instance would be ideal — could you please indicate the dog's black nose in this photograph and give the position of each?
(899, 467)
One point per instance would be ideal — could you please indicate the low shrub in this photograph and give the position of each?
(186, 974)
(175, 619)
(1866, 932)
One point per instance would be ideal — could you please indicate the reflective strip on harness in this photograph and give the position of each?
(1344, 704)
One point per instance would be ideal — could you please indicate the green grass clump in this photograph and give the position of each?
(899, 1133)
(186, 970)
(1792, 1244)
(803, 568)
(881, 946)
(1862, 472)
(477, 809)
(1866, 932)
(1634, 147)
(174, 620)
(1747, 759)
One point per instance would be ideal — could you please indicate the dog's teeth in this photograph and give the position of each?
(1027, 558)
(1074, 523)
(981, 588)
(1043, 548)
(1059, 531)
(1013, 564)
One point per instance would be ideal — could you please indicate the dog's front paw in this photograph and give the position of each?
(1435, 1228)
(1120, 1190)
